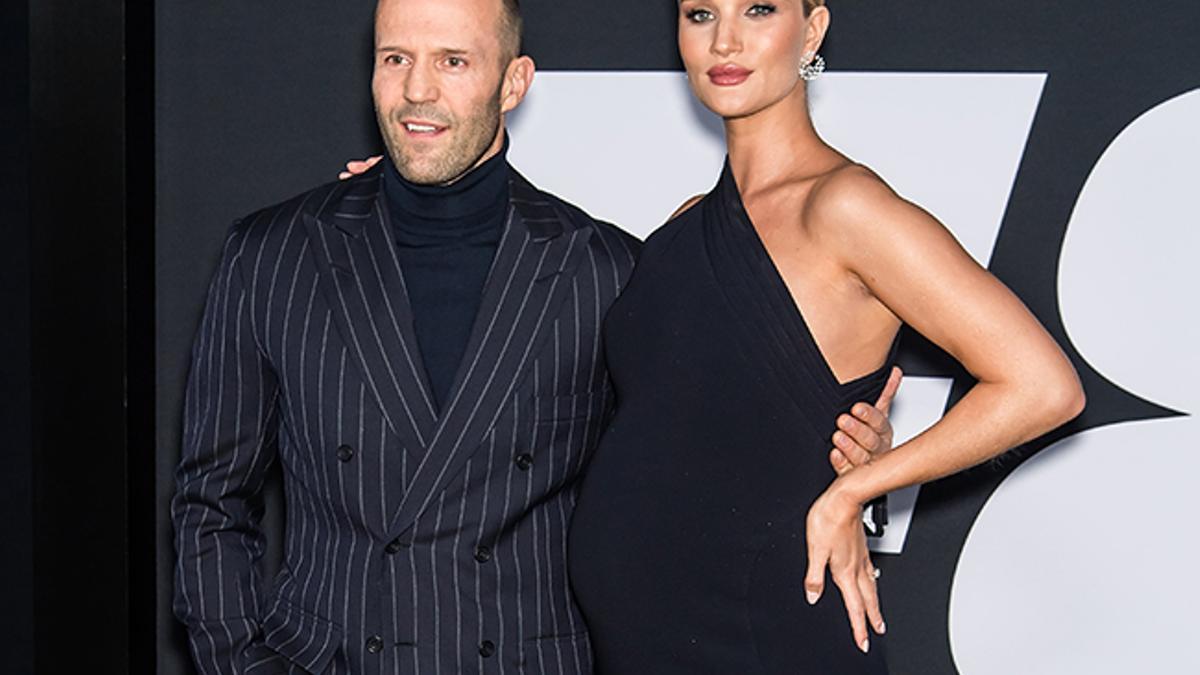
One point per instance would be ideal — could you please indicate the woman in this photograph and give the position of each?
(759, 312)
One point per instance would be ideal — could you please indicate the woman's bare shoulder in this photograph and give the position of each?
(853, 201)
(851, 193)
(865, 220)
(685, 207)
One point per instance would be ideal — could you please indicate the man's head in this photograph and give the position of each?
(446, 73)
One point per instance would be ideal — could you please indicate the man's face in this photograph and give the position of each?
(438, 85)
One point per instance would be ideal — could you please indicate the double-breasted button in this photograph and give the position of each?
(374, 644)
(345, 453)
(524, 461)
(394, 547)
(487, 648)
(483, 554)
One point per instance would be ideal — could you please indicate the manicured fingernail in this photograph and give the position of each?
(812, 597)
(881, 628)
(865, 645)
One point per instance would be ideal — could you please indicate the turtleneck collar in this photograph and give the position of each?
(476, 201)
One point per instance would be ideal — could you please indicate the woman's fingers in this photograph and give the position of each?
(355, 167)
(847, 581)
(814, 579)
(869, 589)
(836, 541)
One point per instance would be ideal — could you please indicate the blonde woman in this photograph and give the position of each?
(754, 317)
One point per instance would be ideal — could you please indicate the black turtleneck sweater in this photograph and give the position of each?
(446, 237)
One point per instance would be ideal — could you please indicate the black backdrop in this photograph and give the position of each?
(16, 498)
(76, 368)
(167, 120)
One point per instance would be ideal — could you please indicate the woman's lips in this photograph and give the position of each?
(728, 75)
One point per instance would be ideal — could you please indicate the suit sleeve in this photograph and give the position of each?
(229, 441)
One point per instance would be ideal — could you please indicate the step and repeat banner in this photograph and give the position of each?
(1060, 144)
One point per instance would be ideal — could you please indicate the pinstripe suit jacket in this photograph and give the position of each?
(415, 543)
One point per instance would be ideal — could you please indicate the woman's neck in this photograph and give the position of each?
(775, 144)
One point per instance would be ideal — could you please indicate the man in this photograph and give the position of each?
(419, 347)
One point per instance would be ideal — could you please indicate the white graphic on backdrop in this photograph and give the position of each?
(630, 147)
(1083, 559)
(920, 404)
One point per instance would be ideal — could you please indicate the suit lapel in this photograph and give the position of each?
(361, 279)
(530, 275)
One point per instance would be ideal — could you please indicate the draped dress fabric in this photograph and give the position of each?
(687, 549)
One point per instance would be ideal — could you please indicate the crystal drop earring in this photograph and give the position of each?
(813, 66)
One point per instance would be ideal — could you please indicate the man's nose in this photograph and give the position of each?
(421, 85)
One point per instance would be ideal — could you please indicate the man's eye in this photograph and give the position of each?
(699, 15)
(394, 60)
(761, 10)
(455, 62)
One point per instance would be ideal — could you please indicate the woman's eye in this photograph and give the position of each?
(761, 10)
(699, 15)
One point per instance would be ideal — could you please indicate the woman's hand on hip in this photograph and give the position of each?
(836, 540)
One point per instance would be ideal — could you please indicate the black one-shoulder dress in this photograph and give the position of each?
(687, 549)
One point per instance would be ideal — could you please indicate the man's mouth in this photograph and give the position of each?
(422, 128)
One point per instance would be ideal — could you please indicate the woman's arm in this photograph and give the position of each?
(914, 266)
(918, 271)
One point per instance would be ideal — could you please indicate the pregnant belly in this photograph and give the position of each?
(667, 542)
(651, 510)
(690, 496)
(697, 472)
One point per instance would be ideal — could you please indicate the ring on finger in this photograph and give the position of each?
(876, 573)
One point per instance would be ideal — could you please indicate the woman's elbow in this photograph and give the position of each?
(1065, 399)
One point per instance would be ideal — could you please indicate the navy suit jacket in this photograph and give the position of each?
(414, 543)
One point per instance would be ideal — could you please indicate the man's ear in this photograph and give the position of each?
(518, 77)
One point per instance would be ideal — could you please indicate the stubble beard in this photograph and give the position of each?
(471, 139)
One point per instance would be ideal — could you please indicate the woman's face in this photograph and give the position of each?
(743, 56)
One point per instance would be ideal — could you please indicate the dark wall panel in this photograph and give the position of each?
(78, 335)
(65, 382)
(16, 472)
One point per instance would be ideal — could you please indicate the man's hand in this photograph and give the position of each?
(866, 431)
(353, 168)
